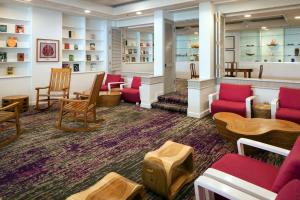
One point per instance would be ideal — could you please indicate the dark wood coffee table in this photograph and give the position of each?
(276, 132)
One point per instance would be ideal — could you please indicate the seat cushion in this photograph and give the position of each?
(228, 106)
(131, 95)
(104, 88)
(289, 98)
(112, 78)
(290, 169)
(248, 169)
(290, 191)
(288, 114)
(136, 82)
(232, 92)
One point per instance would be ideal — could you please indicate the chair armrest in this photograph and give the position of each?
(211, 98)
(243, 141)
(249, 105)
(113, 83)
(39, 88)
(122, 86)
(240, 184)
(82, 94)
(72, 100)
(274, 107)
(212, 185)
(10, 106)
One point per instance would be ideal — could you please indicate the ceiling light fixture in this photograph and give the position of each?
(87, 11)
(297, 17)
(247, 16)
(263, 27)
(196, 33)
(138, 13)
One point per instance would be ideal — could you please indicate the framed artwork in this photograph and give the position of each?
(3, 28)
(229, 42)
(47, 50)
(229, 56)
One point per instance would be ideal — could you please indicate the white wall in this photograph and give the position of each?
(138, 67)
(183, 69)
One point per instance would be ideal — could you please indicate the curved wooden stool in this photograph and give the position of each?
(112, 187)
(167, 169)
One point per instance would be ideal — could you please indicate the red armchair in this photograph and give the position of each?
(112, 81)
(287, 107)
(248, 176)
(132, 94)
(232, 98)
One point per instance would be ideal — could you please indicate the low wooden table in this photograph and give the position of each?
(109, 99)
(246, 71)
(262, 110)
(22, 99)
(167, 169)
(112, 186)
(276, 132)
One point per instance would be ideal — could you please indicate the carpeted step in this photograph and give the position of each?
(170, 107)
(174, 98)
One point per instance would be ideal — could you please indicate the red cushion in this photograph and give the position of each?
(112, 78)
(228, 106)
(290, 191)
(131, 95)
(289, 98)
(233, 92)
(104, 88)
(248, 169)
(288, 114)
(136, 82)
(290, 169)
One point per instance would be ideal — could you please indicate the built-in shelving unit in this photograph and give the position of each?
(137, 46)
(83, 44)
(15, 59)
(187, 47)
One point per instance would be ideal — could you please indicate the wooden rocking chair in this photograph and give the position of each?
(81, 107)
(58, 88)
(6, 116)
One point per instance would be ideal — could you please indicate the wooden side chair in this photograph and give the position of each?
(81, 107)
(193, 71)
(58, 87)
(6, 116)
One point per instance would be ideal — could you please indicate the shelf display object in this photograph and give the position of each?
(187, 47)
(270, 45)
(15, 47)
(137, 47)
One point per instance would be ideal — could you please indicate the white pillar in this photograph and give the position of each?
(159, 43)
(206, 40)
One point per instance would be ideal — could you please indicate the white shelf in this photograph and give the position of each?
(7, 33)
(94, 40)
(73, 49)
(95, 61)
(93, 29)
(94, 50)
(15, 61)
(86, 72)
(14, 76)
(64, 38)
(76, 61)
(72, 27)
(13, 19)
(15, 48)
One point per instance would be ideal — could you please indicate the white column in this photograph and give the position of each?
(206, 40)
(159, 43)
(151, 88)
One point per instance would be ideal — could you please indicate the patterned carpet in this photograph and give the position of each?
(45, 163)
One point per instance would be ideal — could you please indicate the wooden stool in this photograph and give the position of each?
(113, 186)
(262, 110)
(22, 99)
(167, 169)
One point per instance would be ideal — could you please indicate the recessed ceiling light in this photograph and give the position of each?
(87, 11)
(263, 27)
(297, 17)
(196, 33)
(247, 16)
(138, 13)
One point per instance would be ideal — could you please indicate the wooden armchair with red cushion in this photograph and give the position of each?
(232, 98)
(250, 176)
(112, 81)
(287, 107)
(132, 94)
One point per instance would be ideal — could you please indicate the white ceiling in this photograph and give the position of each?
(112, 3)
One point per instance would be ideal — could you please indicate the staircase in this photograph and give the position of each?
(175, 102)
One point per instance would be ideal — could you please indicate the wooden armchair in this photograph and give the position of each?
(81, 107)
(5, 116)
(58, 87)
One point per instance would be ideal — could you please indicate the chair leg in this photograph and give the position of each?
(18, 126)
(85, 120)
(60, 115)
(95, 114)
(37, 100)
(48, 102)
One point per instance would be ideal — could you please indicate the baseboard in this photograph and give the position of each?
(198, 115)
(146, 105)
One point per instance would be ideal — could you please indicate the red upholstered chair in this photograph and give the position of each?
(132, 94)
(112, 81)
(290, 191)
(287, 107)
(232, 98)
(250, 176)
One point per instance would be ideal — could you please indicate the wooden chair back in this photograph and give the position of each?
(261, 69)
(193, 70)
(60, 79)
(96, 88)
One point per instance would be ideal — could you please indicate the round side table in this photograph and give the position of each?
(262, 110)
(22, 99)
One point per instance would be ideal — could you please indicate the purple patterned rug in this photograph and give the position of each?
(46, 163)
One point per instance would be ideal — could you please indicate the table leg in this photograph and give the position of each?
(249, 74)
(245, 74)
